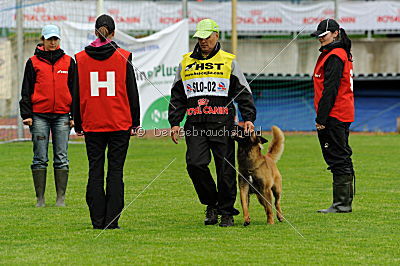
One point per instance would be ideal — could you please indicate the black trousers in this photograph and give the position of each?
(105, 206)
(334, 141)
(201, 140)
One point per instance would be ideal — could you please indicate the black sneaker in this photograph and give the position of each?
(226, 220)
(211, 215)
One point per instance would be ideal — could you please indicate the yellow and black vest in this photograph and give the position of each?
(206, 84)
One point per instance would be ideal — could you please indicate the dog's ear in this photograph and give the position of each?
(262, 140)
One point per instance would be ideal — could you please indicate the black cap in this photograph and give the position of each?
(325, 26)
(107, 21)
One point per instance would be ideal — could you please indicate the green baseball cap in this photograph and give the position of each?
(205, 28)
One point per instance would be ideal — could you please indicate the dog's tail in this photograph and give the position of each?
(276, 146)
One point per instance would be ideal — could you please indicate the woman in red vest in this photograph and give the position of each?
(334, 105)
(106, 111)
(45, 107)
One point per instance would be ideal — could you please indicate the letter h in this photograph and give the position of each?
(95, 84)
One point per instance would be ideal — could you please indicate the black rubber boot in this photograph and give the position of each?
(61, 180)
(352, 189)
(39, 180)
(342, 194)
(211, 215)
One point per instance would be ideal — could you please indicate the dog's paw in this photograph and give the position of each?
(246, 223)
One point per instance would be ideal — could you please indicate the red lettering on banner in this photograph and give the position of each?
(243, 20)
(266, 20)
(169, 20)
(172, 20)
(256, 12)
(195, 20)
(39, 10)
(53, 18)
(113, 11)
(128, 20)
(312, 20)
(388, 19)
(347, 20)
(119, 19)
(28, 17)
(316, 20)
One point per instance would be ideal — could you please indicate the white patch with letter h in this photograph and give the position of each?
(95, 84)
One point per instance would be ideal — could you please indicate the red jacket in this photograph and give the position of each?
(47, 84)
(103, 108)
(343, 108)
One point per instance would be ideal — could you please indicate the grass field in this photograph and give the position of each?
(164, 225)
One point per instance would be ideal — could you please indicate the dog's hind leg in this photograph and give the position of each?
(266, 201)
(244, 199)
(277, 190)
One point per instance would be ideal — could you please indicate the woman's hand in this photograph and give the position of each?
(71, 123)
(319, 126)
(28, 121)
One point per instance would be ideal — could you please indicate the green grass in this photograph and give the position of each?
(165, 223)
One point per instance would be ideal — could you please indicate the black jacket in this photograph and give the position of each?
(239, 90)
(333, 69)
(103, 53)
(28, 83)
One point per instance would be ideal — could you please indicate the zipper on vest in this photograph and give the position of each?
(54, 90)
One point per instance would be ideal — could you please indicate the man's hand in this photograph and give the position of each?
(71, 123)
(27, 121)
(319, 126)
(175, 133)
(248, 126)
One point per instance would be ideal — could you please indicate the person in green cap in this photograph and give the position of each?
(207, 82)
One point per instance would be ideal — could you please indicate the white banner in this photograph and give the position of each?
(251, 16)
(5, 69)
(155, 60)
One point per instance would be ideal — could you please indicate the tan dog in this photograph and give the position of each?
(261, 171)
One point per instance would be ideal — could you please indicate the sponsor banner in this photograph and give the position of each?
(387, 16)
(155, 59)
(5, 69)
(252, 16)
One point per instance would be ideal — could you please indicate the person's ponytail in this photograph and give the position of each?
(102, 33)
(345, 40)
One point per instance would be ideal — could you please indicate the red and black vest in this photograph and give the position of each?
(343, 109)
(51, 93)
(104, 103)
